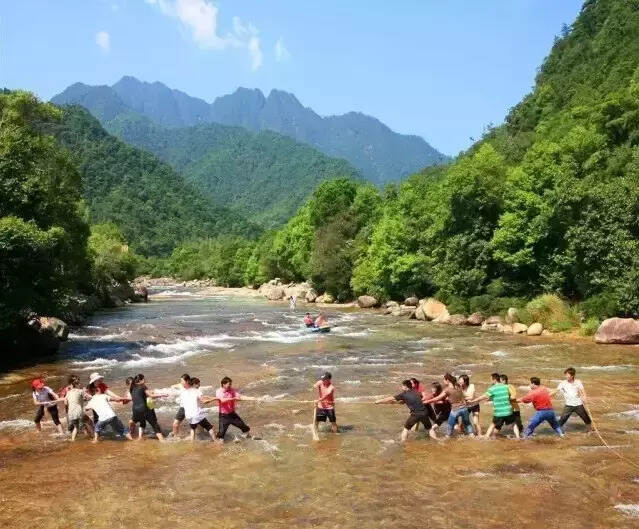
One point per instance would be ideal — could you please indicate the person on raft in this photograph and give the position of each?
(308, 320)
(320, 321)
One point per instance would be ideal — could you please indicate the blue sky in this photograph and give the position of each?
(442, 69)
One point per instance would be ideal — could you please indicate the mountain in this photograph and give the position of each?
(265, 176)
(150, 202)
(379, 153)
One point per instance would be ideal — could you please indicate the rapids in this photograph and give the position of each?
(361, 477)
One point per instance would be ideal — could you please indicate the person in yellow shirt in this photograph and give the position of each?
(513, 401)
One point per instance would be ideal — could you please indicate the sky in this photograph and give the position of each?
(441, 69)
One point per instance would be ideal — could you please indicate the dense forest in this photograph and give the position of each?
(264, 176)
(548, 202)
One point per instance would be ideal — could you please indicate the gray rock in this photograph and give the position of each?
(457, 319)
(476, 318)
(411, 302)
(618, 330)
(367, 302)
(535, 329)
(433, 308)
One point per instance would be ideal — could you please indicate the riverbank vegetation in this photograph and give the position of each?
(547, 203)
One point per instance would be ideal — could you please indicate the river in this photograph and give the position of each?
(361, 477)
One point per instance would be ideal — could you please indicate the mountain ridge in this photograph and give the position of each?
(381, 154)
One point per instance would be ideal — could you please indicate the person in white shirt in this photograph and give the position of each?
(99, 403)
(574, 397)
(191, 401)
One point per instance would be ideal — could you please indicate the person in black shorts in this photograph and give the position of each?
(141, 411)
(182, 385)
(45, 398)
(438, 411)
(413, 400)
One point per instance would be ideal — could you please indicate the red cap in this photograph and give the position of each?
(37, 384)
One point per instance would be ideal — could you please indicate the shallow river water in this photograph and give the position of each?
(361, 477)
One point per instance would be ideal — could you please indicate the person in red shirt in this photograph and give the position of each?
(325, 404)
(227, 396)
(541, 399)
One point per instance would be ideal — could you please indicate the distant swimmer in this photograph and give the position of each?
(227, 397)
(541, 400)
(413, 400)
(308, 320)
(454, 394)
(45, 399)
(325, 404)
(574, 396)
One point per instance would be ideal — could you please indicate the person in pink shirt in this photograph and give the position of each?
(325, 404)
(541, 399)
(227, 397)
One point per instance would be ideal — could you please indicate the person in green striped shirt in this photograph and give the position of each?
(499, 394)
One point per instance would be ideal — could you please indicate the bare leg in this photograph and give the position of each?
(60, 430)
(38, 426)
(160, 437)
(74, 433)
(476, 423)
(140, 433)
(176, 427)
(433, 432)
(404, 436)
(334, 428)
(315, 431)
(192, 435)
(516, 430)
(95, 436)
(489, 431)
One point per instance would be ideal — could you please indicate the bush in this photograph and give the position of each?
(553, 313)
(589, 327)
(456, 305)
(600, 307)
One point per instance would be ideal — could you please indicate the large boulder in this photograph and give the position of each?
(618, 330)
(117, 293)
(535, 329)
(491, 324)
(505, 328)
(367, 302)
(512, 315)
(275, 293)
(476, 318)
(458, 319)
(299, 291)
(141, 293)
(519, 328)
(311, 296)
(391, 306)
(419, 313)
(443, 317)
(54, 326)
(433, 308)
(411, 302)
(403, 310)
(325, 298)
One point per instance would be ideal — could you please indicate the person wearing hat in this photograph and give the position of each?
(45, 398)
(325, 404)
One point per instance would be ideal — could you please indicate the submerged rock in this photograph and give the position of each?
(618, 330)
(367, 302)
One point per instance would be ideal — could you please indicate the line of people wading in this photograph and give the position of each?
(454, 403)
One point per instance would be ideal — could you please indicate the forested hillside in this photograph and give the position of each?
(153, 205)
(380, 154)
(264, 176)
(548, 202)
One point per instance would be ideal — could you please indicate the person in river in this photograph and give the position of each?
(100, 404)
(324, 404)
(499, 394)
(413, 401)
(540, 398)
(227, 396)
(439, 411)
(45, 399)
(308, 321)
(97, 385)
(74, 400)
(512, 390)
(469, 394)
(458, 407)
(191, 400)
(142, 413)
(574, 396)
(181, 386)
(292, 302)
(419, 388)
(320, 321)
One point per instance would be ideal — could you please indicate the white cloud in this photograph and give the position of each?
(281, 52)
(103, 40)
(201, 18)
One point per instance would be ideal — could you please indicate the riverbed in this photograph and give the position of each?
(361, 477)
